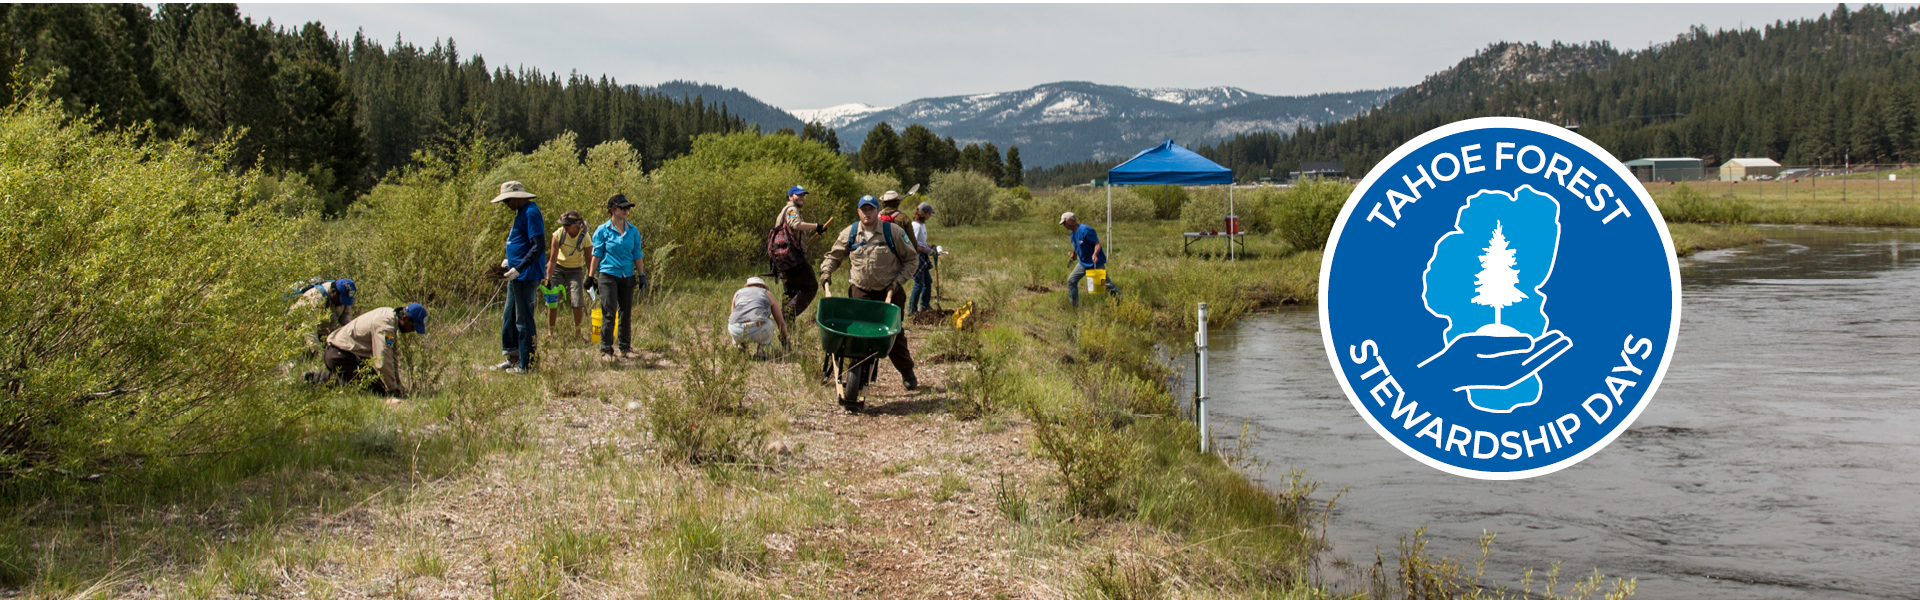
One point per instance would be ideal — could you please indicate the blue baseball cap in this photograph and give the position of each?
(866, 201)
(418, 314)
(346, 288)
(796, 190)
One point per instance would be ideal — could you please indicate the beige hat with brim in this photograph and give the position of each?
(891, 196)
(513, 189)
(756, 281)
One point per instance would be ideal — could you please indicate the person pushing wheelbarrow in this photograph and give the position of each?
(880, 258)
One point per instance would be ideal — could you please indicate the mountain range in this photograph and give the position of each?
(1062, 122)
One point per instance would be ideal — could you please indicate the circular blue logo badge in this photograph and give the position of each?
(1500, 298)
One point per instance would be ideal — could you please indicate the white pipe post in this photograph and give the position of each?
(1200, 387)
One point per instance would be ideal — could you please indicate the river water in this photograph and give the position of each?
(1779, 459)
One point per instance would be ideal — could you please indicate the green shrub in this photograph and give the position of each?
(878, 182)
(1091, 206)
(717, 202)
(1204, 213)
(146, 317)
(1009, 206)
(428, 233)
(1090, 454)
(1304, 215)
(1686, 205)
(704, 417)
(1168, 200)
(962, 197)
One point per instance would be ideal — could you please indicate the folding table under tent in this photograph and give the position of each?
(1167, 164)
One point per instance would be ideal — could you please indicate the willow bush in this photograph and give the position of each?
(717, 202)
(1304, 215)
(145, 319)
(963, 198)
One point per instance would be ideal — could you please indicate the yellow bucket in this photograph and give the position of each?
(596, 326)
(1096, 281)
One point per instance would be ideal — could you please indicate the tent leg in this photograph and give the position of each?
(1109, 238)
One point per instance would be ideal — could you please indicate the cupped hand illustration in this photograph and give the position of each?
(1482, 360)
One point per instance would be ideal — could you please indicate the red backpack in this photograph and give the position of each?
(784, 250)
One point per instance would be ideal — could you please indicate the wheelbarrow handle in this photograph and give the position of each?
(826, 288)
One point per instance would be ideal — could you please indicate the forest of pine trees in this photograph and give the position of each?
(343, 113)
(1844, 87)
(914, 154)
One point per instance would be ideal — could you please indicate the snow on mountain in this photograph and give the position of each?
(1217, 97)
(836, 116)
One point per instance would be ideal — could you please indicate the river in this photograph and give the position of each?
(1779, 459)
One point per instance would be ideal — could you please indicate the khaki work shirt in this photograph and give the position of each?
(791, 216)
(371, 336)
(873, 266)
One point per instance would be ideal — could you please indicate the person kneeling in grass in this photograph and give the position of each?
(370, 338)
(756, 317)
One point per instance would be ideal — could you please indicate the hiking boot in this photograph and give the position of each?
(910, 382)
(607, 355)
(629, 353)
(519, 370)
(504, 365)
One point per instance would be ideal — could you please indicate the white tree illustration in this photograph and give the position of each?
(1497, 284)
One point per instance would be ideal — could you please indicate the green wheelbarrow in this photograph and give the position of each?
(854, 334)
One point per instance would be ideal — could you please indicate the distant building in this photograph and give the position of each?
(1749, 168)
(1649, 170)
(1319, 170)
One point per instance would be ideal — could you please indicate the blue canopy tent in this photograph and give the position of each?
(1166, 164)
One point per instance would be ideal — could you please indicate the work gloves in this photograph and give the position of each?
(511, 273)
(504, 263)
(592, 283)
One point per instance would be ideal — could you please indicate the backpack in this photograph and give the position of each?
(784, 250)
(853, 232)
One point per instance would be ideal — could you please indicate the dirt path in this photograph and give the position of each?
(910, 495)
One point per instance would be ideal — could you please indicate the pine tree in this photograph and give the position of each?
(1016, 176)
(1497, 283)
(881, 152)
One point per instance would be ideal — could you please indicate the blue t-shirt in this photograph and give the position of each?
(617, 249)
(526, 244)
(1084, 239)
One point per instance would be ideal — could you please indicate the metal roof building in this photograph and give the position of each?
(1649, 170)
(1749, 168)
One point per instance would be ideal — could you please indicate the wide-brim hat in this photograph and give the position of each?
(756, 281)
(513, 189)
(891, 197)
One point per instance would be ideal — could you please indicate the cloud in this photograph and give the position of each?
(812, 56)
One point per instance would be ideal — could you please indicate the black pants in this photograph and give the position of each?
(616, 305)
(344, 368)
(902, 357)
(799, 287)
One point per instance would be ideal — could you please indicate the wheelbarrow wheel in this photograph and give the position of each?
(850, 383)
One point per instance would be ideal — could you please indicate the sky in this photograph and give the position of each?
(802, 56)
